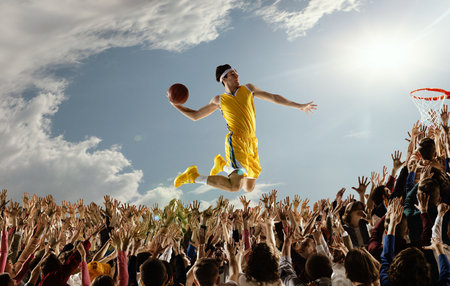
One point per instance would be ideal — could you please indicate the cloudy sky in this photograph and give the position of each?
(83, 111)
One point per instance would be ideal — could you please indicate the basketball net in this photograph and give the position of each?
(429, 102)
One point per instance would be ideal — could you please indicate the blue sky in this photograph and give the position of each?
(84, 112)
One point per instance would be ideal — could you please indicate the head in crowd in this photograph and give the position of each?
(206, 272)
(353, 211)
(220, 70)
(361, 266)
(262, 265)
(409, 268)
(379, 194)
(103, 280)
(318, 266)
(169, 271)
(430, 187)
(307, 247)
(442, 180)
(401, 230)
(141, 257)
(153, 272)
(338, 255)
(6, 280)
(427, 148)
(50, 264)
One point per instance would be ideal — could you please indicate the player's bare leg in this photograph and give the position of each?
(233, 183)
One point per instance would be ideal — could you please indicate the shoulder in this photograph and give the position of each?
(215, 100)
(250, 86)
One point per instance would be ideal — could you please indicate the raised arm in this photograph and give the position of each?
(278, 99)
(202, 112)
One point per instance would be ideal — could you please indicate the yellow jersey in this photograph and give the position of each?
(238, 110)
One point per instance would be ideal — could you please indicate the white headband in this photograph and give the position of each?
(224, 74)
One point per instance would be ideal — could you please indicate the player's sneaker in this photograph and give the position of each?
(187, 177)
(219, 163)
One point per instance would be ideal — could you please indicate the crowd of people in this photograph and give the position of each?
(394, 233)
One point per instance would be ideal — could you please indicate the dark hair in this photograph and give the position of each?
(262, 265)
(305, 243)
(5, 279)
(220, 70)
(361, 266)
(353, 206)
(153, 272)
(141, 257)
(377, 195)
(169, 269)
(103, 280)
(427, 148)
(206, 271)
(430, 187)
(318, 266)
(50, 264)
(409, 267)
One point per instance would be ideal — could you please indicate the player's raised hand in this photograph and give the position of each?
(308, 107)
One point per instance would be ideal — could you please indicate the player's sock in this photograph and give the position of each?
(228, 169)
(219, 163)
(201, 179)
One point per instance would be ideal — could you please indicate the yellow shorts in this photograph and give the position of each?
(242, 153)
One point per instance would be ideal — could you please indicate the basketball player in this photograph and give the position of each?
(242, 162)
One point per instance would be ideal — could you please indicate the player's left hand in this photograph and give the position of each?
(309, 107)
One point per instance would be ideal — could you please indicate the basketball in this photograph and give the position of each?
(178, 94)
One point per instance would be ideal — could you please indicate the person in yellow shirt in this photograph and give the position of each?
(241, 144)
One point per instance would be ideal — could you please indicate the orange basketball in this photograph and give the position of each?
(178, 94)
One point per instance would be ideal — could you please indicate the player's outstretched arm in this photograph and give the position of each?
(200, 113)
(278, 99)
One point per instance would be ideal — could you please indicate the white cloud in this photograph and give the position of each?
(358, 134)
(161, 195)
(31, 161)
(253, 196)
(298, 22)
(202, 189)
(37, 37)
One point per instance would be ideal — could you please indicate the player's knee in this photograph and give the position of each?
(236, 185)
(249, 189)
(235, 188)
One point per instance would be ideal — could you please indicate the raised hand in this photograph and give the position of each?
(383, 179)
(362, 185)
(415, 131)
(265, 200)
(436, 245)
(445, 115)
(422, 200)
(397, 163)
(195, 208)
(442, 209)
(426, 173)
(395, 215)
(296, 203)
(3, 201)
(80, 207)
(308, 107)
(339, 195)
(373, 179)
(273, 197)
(244, 202)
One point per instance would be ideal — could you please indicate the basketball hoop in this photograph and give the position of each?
(429, 102)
